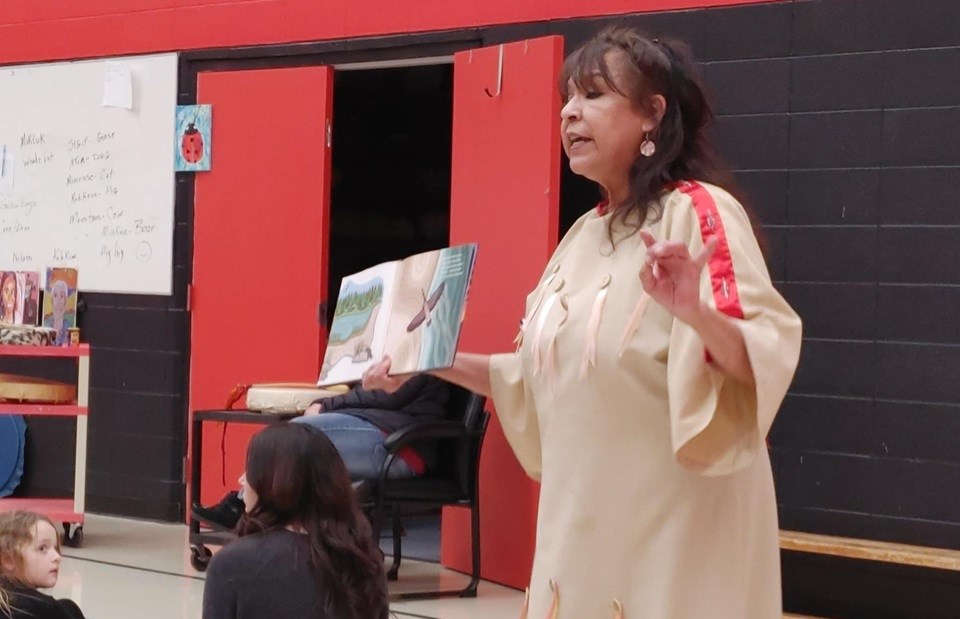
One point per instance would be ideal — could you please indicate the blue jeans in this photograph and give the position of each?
(359, 442)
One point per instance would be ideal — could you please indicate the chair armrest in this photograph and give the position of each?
(424, 431)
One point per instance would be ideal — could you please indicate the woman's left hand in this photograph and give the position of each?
(672, 276)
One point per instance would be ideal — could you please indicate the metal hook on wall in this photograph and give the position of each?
(499, 76)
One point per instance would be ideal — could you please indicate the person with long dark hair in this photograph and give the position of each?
(305, 548)
(652, 358)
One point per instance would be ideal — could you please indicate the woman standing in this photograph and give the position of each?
(645, 421)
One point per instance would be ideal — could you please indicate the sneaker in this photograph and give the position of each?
(225, 514)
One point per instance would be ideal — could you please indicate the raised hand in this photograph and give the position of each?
(672, 276)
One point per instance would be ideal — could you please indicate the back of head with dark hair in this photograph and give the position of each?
(302, 483)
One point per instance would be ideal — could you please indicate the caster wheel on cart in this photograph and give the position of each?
(200, 557)
(74, 539)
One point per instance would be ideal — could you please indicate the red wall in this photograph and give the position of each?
(36, 30)
(505, 196)
(251, 267)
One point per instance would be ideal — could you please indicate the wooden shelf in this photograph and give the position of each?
(45, 410)
(57, 510)
(83, 350)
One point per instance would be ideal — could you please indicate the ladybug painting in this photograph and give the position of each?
(191, 144)
(193, 139)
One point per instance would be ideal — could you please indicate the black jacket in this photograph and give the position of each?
(269, 576)
(28, 603)
(423, 397)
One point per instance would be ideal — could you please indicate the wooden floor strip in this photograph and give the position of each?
(869, 550)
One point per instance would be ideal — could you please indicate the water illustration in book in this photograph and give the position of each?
(409, 309)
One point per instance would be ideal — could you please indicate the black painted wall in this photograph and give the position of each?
(840, 119)
(842, 131)
(136, 430)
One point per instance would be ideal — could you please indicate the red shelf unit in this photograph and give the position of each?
(69, 511)
(83, 350)
(57, 510)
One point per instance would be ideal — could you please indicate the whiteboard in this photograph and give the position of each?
(88, 186)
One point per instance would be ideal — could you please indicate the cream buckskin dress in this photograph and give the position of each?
(657, 498)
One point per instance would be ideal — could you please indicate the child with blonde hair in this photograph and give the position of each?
(30, 560)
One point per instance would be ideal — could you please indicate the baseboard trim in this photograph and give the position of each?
(870, 550)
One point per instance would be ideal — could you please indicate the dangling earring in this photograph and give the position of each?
(647, 147)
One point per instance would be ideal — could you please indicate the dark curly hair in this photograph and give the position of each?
(301, 481)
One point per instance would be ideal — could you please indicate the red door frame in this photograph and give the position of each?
(261, 236)
(505, 196)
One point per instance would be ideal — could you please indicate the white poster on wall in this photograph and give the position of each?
(88, 180)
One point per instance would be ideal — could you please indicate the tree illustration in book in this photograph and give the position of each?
(409, 309)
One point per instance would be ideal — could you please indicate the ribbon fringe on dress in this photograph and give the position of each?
(555, 604)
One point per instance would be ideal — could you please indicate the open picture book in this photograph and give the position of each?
(409, 309)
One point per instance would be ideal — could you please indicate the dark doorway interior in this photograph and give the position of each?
(390, 198)
(392, 132)
(577, 196)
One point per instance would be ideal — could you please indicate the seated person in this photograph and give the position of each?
(305, 549)
(357, 423)
(29, 561)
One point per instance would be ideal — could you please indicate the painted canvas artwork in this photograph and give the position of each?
(19, 297)
(194, 142)
(60, 303)
(410, 309)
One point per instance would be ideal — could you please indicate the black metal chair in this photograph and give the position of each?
(454, 481)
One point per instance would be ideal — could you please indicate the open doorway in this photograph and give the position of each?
(390, 193)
